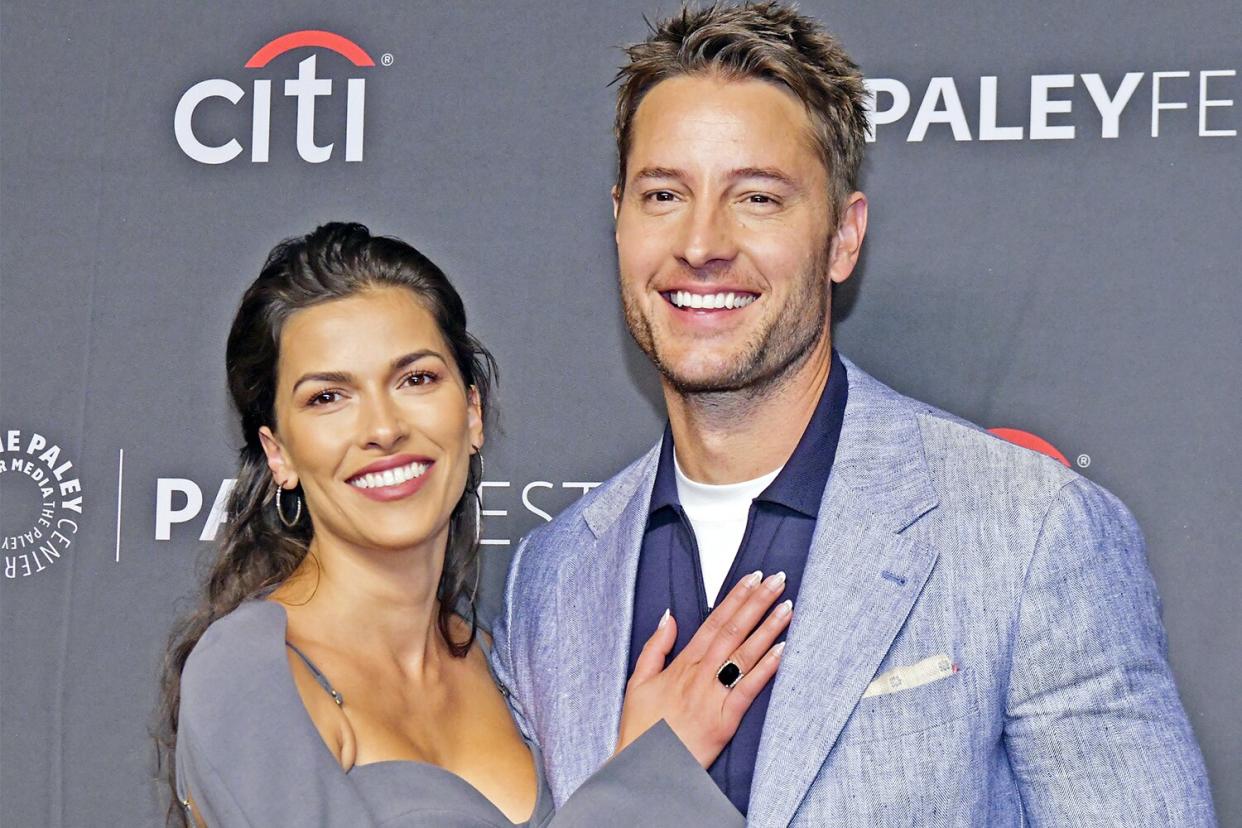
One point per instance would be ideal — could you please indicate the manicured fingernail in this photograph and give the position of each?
(664, 620)
(784, 608)
(753, 579)
(776, 581)
(778, 649)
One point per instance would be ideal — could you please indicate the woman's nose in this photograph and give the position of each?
(383, 426)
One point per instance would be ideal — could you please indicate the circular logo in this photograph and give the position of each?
(40, 503)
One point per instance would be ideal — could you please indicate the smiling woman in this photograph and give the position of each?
(335, 672)
(370, 410)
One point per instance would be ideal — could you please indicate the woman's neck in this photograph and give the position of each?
(380, 603)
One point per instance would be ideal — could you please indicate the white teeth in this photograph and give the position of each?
(390, 477)
(685, 299)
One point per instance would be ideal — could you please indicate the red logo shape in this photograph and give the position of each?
(310, 37)
(1030, 441)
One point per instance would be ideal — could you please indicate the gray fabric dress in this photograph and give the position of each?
(249, 754)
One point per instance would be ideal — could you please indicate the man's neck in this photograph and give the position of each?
(740, 435)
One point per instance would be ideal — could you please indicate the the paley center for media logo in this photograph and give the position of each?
(40, 502)
(196, 122)
(1056, 107)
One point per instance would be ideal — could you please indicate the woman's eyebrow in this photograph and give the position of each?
(414, 356)
(346, 378)
(325, 376)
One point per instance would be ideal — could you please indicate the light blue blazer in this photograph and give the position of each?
(977, 641)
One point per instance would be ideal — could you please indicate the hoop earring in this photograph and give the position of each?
(478, 533)
(478, 502)
(478, 495)
(478, 452)
(478, 519)
(280, 509)
(478, 564)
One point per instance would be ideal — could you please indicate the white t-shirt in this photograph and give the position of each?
(718, 516)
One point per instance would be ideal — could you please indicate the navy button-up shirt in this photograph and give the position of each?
(778, 537)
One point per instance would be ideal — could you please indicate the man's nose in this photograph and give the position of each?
(707, 236)
(384, 426)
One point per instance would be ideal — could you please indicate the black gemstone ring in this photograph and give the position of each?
(729, 674)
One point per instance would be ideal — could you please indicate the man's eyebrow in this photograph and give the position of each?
(658, 173)
(768, 173)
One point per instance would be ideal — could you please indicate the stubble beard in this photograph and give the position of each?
(768, 355)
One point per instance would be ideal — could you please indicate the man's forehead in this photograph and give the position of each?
(717, 98)
(737, 124)
(774, 175)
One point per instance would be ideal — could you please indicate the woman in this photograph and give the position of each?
(335, 673)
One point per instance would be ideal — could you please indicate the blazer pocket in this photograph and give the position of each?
(907, 700)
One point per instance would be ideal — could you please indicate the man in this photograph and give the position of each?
(975, 638)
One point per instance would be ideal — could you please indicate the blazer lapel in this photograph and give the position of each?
(594, 615)
(862, 578)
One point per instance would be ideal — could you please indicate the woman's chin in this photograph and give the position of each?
(395, 536)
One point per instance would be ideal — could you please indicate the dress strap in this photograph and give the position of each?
(320, 678)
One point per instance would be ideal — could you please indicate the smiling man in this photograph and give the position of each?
(976, 637)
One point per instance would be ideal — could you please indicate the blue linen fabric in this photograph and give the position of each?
(933, 537)
(779, 528)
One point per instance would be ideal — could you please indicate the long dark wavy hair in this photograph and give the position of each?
(257, 551)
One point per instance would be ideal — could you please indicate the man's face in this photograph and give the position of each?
(724, 233)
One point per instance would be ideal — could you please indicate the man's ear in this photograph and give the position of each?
(278, 460)
(474, 418)
(847, 243)
(616, 201)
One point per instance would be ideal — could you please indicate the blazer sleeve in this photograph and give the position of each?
(1094, 728)
(654, 781)
(247, 758)
(502, 658)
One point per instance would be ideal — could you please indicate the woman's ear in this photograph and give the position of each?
(277, 460)
(474, 418)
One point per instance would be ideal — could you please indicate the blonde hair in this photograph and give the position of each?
(764, 41)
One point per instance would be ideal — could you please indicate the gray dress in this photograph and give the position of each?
(249, 754)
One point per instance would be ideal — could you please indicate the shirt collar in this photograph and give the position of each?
(800, 485)
(664, 493)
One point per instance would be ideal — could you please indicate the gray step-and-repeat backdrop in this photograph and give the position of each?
(1056, 203)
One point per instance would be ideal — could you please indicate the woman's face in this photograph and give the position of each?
(373, 420)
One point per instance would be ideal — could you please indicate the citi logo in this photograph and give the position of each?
(305, 89)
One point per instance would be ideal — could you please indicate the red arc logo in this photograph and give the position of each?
(314, 38)
(1030, 441)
